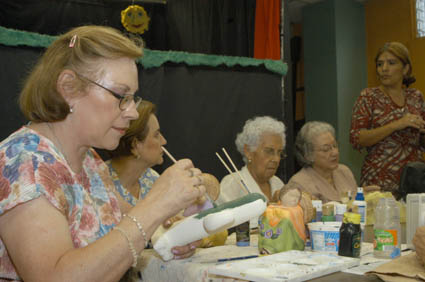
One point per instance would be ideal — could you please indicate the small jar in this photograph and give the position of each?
(340, 210)
(243, 234)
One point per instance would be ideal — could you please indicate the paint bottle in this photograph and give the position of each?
(350, 235)
(328, 212)
(318, 205)
(340, 209)
(242, 234)
(361, 204)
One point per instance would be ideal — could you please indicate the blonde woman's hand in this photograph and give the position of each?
(178, 187)
(169, 222)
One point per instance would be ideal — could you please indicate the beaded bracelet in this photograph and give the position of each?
(139, 226)
(130, 245)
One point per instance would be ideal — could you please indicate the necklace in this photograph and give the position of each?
(58, 142)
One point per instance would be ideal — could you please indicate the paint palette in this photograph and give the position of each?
(286, 266)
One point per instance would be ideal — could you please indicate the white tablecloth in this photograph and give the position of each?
(153, 269)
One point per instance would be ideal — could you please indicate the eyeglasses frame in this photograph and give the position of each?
(120, 97)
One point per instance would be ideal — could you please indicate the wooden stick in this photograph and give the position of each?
(233, 164)
(225, 165)
(168, 154)
(174, 160)
(241, 181)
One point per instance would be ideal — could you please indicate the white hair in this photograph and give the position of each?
(304, 147)
(253, 131)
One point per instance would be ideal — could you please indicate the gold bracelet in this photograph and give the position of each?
(139, 226)
(130, 245)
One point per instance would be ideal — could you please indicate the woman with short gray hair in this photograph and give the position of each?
(322, 175)
(261, 144)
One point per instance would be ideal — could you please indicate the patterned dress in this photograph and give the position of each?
(386, 159)
(31, 166)
(145, 182)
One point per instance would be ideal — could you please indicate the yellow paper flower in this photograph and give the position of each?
(135, 19)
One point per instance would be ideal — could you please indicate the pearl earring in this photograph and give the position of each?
(71, 110)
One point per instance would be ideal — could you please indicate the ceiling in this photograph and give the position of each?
(295, 7)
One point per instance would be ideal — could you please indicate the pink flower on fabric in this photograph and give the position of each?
(88, 223)
(4, 188)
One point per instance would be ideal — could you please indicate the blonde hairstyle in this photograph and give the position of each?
(402, 53)
(81, 50)
(137, 131)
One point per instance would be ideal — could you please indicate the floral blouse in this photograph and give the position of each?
(145, 182)
(386, 159)
(31, 166)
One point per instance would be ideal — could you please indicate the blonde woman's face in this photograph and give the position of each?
(99, 122)
(390, 69)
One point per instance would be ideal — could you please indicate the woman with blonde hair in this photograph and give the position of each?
(59, 217)
(388, 120)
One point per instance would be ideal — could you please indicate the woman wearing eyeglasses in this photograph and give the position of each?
(261, 144)
(321, 175)
(57, 201)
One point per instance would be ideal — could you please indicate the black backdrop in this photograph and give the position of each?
(222, 27)
(201, 109)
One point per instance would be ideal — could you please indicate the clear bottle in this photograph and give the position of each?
(361, 204)
(387, 229)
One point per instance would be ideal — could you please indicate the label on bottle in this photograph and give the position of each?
(362, 211)
(357, 241)
(385, 239)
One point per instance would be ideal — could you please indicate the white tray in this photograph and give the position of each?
(286, 266)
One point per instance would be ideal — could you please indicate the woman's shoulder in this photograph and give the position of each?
(370, 92)
(303, 175)
(414, 92)
(346, 173)
(23, 138)
(343, 168)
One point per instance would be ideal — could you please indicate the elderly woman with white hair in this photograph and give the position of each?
(316, 149)
(261, 144)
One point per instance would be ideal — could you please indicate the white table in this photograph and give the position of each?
(153, 269)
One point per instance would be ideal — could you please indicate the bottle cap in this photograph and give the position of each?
(359, 195)
(351, 217)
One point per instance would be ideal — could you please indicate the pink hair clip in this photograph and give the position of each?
(72, 41)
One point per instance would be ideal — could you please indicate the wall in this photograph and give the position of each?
(335, 67)
(394, 20)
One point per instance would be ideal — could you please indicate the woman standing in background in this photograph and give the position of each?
(388, 120)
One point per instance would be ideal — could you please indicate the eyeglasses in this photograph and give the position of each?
(270, 152)
(327, 148)
(125, 99)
